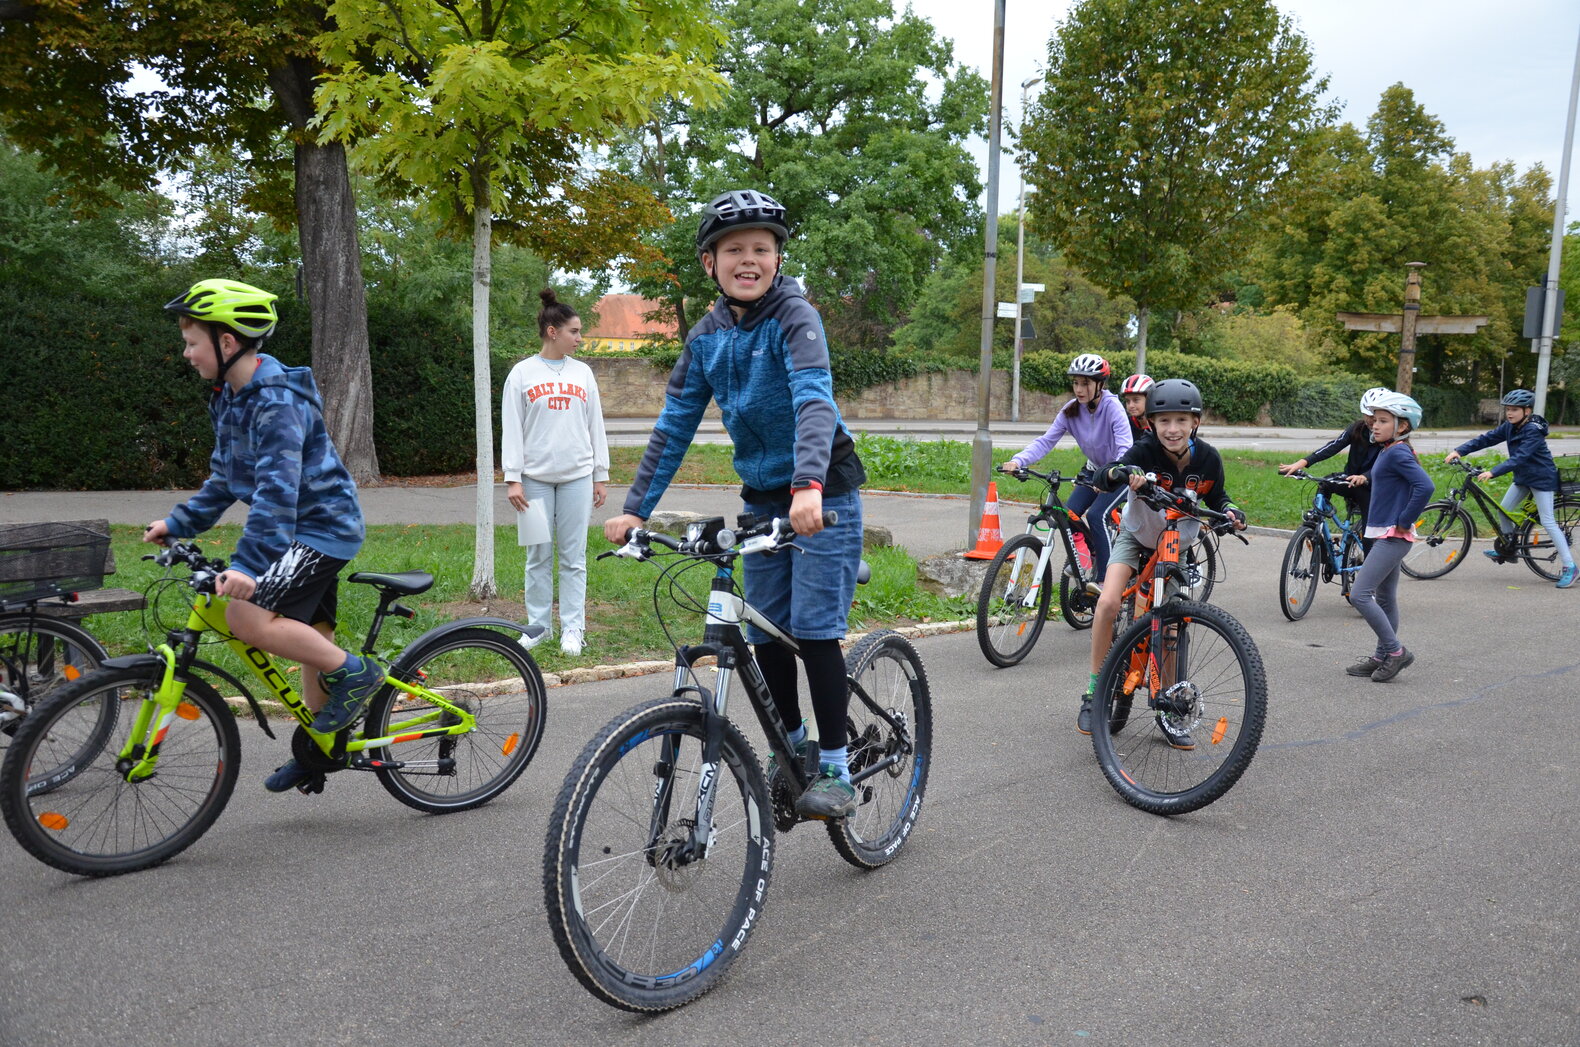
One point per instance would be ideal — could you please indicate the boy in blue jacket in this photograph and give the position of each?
(760, 353)
(1534, 470)
(273, 452)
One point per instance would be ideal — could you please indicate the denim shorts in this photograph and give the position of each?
(807, 594)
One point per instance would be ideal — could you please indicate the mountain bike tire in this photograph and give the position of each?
(639, 926)
(1007, 629)
(1219, 696)
(39, 653)
(891, 673)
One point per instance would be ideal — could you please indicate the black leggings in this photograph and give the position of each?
(825, 678)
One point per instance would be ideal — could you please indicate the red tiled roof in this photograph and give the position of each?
(620, 316)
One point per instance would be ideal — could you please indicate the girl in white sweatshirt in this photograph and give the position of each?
(555, 453)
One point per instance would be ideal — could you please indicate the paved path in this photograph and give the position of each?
(1401, 865)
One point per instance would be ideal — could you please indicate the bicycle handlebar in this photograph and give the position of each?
(751, 536)
(1334, 481)
(1187, 503)
(205, 570)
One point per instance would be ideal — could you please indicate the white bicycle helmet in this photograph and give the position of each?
(1370, 398)
(1400, 406)
(1088, 365)
(1137, 383)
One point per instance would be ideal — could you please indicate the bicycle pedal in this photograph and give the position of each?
(312, 785)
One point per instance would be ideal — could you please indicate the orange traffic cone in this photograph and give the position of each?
(990, 536)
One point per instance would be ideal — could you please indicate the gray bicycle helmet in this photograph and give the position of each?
(1174, 394)
(741, 209)
(1519, 398)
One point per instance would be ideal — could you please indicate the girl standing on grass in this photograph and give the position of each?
(1400, 490)
(554, 452)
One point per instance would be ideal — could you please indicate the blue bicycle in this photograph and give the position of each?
(1325, 547)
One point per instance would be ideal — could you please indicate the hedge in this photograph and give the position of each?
(1237, 391)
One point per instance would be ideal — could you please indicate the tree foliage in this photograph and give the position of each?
(482, 110)
(1161, 130)
(856, 119)
(1369, 203)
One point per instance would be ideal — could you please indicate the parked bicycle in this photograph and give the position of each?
(129, 765)
(1018, 586)
(1326, 547)
(1444, 529)
(1196, 671)
(660, 847)
(41, 565)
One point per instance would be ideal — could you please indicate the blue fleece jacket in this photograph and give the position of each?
(769, 373)
(273, 452)
(1529, 458)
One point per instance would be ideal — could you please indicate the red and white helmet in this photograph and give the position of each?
(1137, 383)
(1088, 365)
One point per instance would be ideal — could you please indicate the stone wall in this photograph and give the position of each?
(634, 388)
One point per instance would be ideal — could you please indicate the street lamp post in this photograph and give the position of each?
(1020, 254)
(982, 443)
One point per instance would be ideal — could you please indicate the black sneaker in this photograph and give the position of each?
(1392, 666)
(1365, 667)
(1083, 719)
(1175, 732)
(830, 796)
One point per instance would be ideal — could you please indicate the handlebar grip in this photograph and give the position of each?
(830, 517)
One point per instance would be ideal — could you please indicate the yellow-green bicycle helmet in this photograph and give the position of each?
(243, 308)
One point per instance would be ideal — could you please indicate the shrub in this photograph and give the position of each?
(1332, 401)
(1238, 391)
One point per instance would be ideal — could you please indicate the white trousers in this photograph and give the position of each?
(568, 507)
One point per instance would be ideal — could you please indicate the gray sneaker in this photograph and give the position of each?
(1392, 666)
(830, 796)
(1365, 667)
(1083, 719)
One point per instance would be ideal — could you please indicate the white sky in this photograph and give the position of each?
(1496, 74)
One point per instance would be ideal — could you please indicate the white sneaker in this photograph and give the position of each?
(571, 641)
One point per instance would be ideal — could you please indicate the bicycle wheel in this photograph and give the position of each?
(68, 801)
(1013, 603)
(37, 655)
(1200, 560)
(1538, 551)
(1076, 605)
(490, 676)
(1353, 556)
(641, 924)
(1209, 684)
(1301, 573)
(889, 671)
(1443, 533)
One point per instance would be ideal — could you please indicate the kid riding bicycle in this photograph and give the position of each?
(273, 451)
(1533, 467)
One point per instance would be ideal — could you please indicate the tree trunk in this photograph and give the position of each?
(1143, 315)
(483, 587)
(326, 220)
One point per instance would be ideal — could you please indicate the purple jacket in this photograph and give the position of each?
(1102, 435)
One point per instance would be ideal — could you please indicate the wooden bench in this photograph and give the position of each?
(93, 601)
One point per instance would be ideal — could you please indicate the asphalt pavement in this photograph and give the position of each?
(1398, 866)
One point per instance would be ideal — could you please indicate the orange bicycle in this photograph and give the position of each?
(1192, 666)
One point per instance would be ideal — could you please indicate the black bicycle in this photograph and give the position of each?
(1325, 547)
(1444, 530)
(1018, 586)
(660, 847)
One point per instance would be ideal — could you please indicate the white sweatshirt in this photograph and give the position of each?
(552, 423)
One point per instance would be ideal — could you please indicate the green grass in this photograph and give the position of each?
(621, 623)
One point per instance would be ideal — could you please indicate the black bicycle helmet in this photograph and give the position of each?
(741, 209)
(1174, 394)
(1519, 398)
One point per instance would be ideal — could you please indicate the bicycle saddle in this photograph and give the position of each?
(407, 583)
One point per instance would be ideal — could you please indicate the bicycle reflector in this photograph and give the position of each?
(52, 821)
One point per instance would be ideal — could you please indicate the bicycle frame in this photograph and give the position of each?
(1505, 523)
(160, 708)
(723, 640)
(1323, 511)
(1059, 518)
